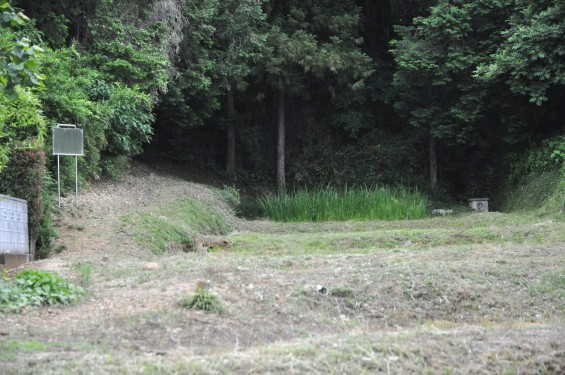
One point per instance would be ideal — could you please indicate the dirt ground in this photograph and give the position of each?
(478, 293)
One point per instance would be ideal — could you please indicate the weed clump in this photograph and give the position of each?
(85, 274)
(203, 299)
(36, 288)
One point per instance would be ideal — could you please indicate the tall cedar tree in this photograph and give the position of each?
(310, 41)
(239, 37)
(436, 57)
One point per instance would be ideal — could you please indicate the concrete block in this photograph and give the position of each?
(479, 204)
(10, 261)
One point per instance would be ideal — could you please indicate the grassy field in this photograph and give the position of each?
(473, 293)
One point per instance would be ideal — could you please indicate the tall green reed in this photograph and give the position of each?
(350, 203)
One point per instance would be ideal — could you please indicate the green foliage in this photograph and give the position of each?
(354, 109)
(109, 63)
(46, 231)
(106, 84)
(9, 16)
(204, 300)
(314, 40)
(71, 97)
(536, 178)
(204, 66)
(36, 288)
(557, 148)
(199, 217)
(436, 57)
(19, 59)
(128, 47)
(326, 204)
(22, 160)
(532, 191)
(116, 119)
(530, 59)
(22, 125)
(129, 117)
(239, 35)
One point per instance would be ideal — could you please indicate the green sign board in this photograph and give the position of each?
(67, 140)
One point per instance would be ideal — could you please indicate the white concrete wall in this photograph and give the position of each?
(14, 238)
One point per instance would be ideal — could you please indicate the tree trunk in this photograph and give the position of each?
(281, 181)
(433, 162)
(230, 162)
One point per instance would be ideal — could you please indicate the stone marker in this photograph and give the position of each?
(150, 266)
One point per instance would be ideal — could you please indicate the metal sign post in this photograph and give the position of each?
(67, 140)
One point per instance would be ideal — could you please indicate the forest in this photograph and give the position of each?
(283, 187)
(453, 98)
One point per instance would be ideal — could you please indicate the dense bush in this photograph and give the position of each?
(22, 160)
(123, 70)
(128, 120)
(22, 124)
(67, 99)
(19, 57)
(116, 119)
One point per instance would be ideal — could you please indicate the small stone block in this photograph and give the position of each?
(150, 266)
(479, 204)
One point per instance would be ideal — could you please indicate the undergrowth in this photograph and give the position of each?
(36, 288)
(362, 203)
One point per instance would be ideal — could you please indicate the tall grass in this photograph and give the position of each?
(360, 203)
